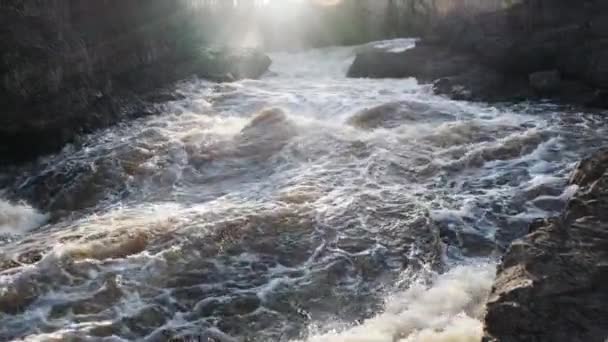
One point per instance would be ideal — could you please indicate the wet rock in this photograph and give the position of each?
(452, 87)
(204, 273)
(597, 72)
(66, 183)
(147, 320)
(17, 297)
(545, 82)
(70, 68)
(551, 283)
(164, 96)
(209, 335)
(30, 257)
(469, 243)
(395, 114)
(71, 186)
(202, 332)
(300, 195)
(108, 295)
(476, 245)
(495, 56)
(105, 330)
(7, 263)
(598, 25)
(265, 120)
(457, 74)
(266, 134)
(376, 117)
(549, 204)
(426, 63)
(241, 305)
(371, 266)
(355, 245)
(480, 83)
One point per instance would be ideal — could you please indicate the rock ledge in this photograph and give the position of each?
(551, 284)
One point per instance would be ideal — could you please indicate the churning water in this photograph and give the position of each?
(304, 206)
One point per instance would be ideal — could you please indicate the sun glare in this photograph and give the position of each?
(327, 2)
(317, 2)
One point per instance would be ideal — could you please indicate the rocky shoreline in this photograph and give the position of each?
(541, 49)
(71, 67)
(551, 284)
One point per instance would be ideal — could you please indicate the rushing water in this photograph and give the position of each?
(304, 206)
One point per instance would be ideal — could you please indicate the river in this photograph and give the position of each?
(304, 206)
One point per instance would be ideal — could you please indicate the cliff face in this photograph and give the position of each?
(551, 285)
(559, 47)
(70, 66)
(569, 36)
(63, 61)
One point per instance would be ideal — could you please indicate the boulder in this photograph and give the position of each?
(423, 62)
(267, 133)
(551, 284)
(453, 87)
(480, 83)
(497, 55)
(394, 114)
(458, 75)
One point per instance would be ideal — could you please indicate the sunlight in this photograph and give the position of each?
(304, 170)
(316, 2)
(327, 2)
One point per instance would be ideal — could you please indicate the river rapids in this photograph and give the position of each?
(304, 206)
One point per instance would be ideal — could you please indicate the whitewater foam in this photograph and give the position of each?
(19, 218)
(290, 221)
(447, 311)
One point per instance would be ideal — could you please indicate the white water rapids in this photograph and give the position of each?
(304, 206)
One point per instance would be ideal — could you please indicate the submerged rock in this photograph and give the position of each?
(394, 114)
(267, 133)
(551, 285)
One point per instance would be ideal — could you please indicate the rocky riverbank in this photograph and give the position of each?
(551, 285)
(70, 67)
(532, 50)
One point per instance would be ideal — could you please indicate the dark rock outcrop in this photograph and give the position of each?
(551, 285)
(424, 62)
(545, 82)
(503, 55)
(71, 66)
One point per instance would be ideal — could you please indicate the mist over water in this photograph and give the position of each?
(304, 206)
